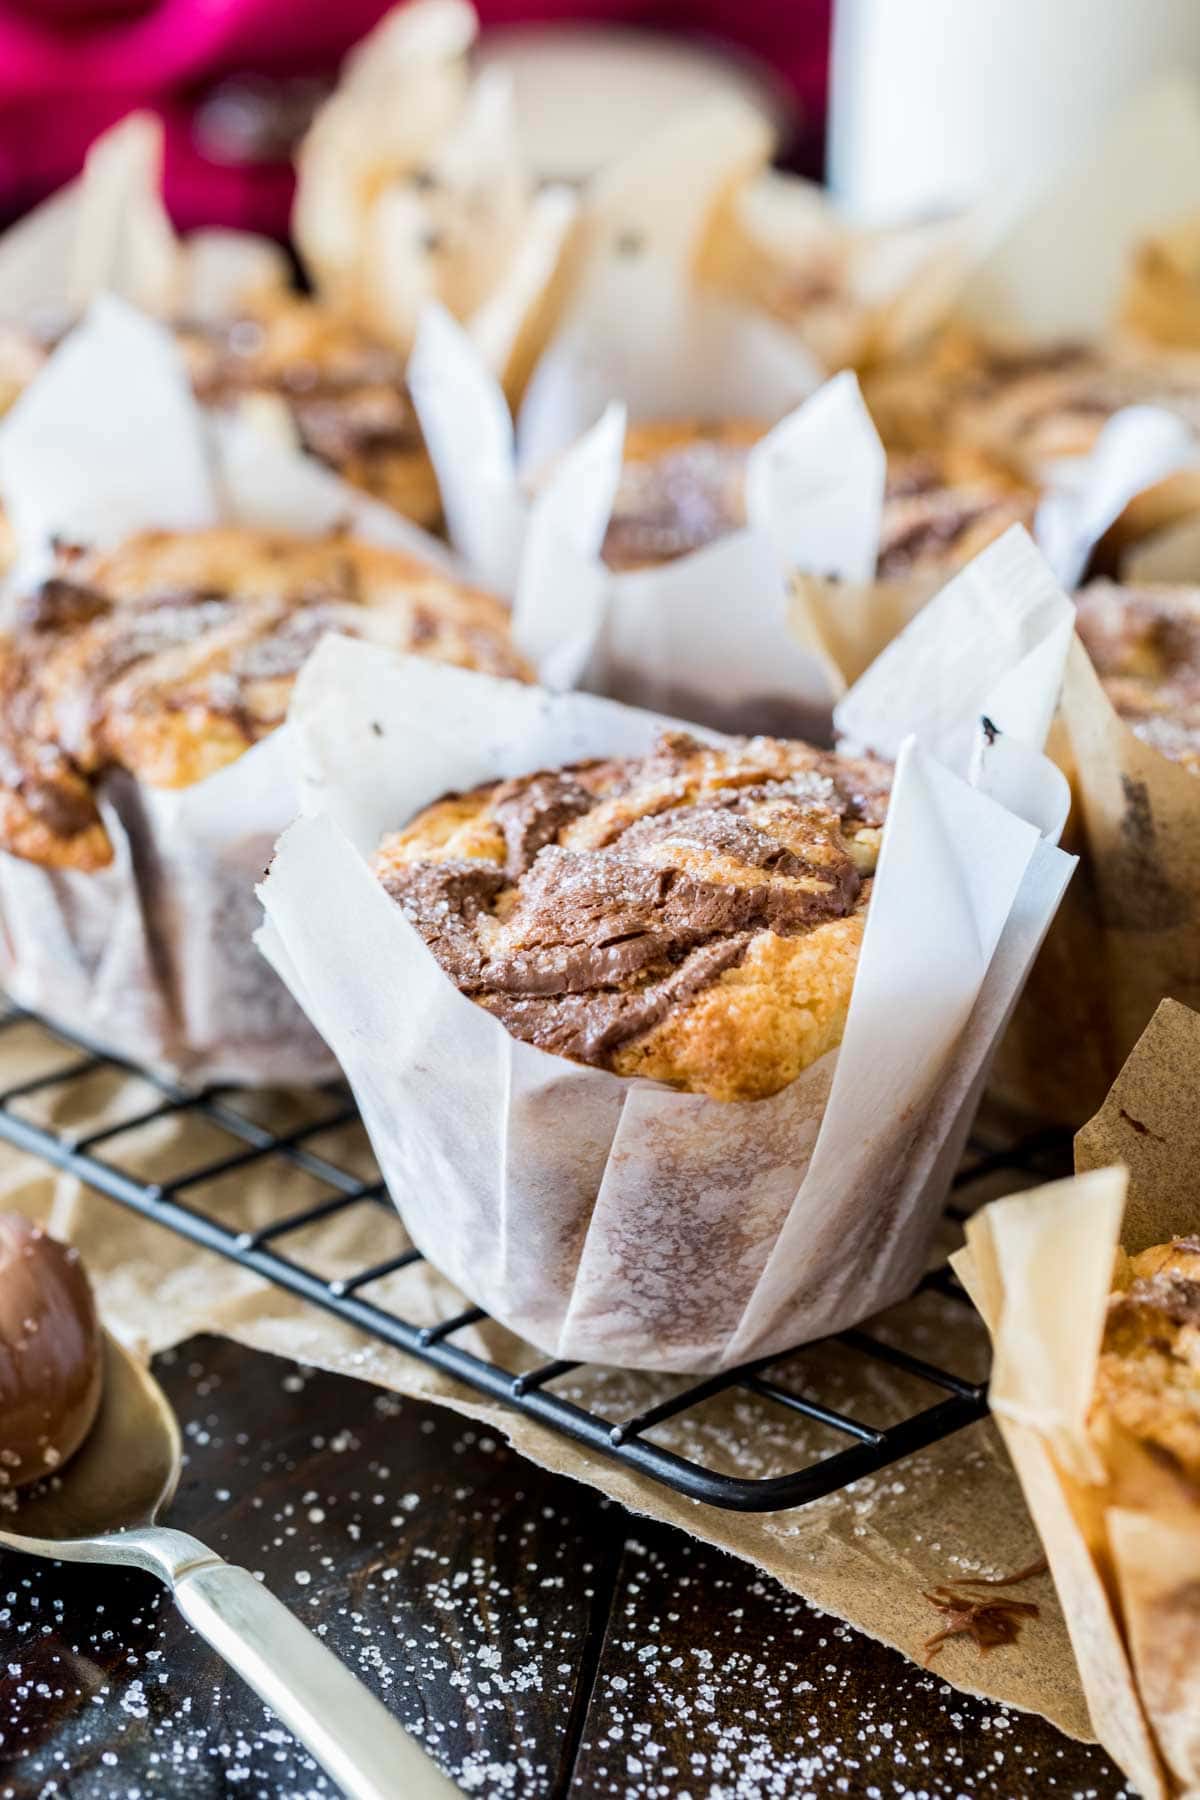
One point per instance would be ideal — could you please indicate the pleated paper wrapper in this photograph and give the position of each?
(411, 186)
(618, 1220)
(152, 956)
(1121, 1533)
(108, 232)
(709, 636)
(1128, 933)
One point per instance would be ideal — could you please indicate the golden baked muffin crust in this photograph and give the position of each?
(693, 915)
(1051, 412)
(174, 653)
(345, 395)
(1148, 1377)
(920, 402)
(940, 511)
(683, 486)
(1145, 645)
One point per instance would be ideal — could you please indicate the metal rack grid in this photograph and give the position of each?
(956, 1402)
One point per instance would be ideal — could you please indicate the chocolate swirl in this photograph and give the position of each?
(609, 895)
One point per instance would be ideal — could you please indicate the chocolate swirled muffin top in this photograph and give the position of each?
(683, 486)
(1034, 418)
(344, 394)
(1148, 1376)
(1144, 643)
(693, 915)
(920, 402)
(171, 655)
(940, 511)
(1022, 406)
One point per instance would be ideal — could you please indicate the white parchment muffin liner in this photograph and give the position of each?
(765, 628)
(708, 636)
(152, 957)
(615, 1219)
(108, 232)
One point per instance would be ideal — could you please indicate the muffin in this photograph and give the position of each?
(1148, 1374)
(1144, 643)
(1024, 407)
(692, 916)
(1096, 1392)
(1032, 417)
(140, 694)
(939, 511)
(661, 1050)
(1027, 412)
(342, 393)
(919, 401)
(172, 655)
(683, 486)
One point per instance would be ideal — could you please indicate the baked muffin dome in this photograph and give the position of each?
(345, 394)
(1145, 645)
(693, 915)
(939, 511)
(1148, 1376)
(683, 486)
(171, 655)
(1033, 417)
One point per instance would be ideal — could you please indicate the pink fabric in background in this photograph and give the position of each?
(70, 68)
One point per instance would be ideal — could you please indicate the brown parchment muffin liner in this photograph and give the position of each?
(1129, 932)
(1119, 1518)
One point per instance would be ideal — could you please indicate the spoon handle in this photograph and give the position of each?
(351, 1734)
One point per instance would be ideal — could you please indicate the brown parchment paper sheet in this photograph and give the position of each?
(1122, 1534)
(864, 1555)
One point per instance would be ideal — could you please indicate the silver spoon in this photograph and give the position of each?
(102, 1508)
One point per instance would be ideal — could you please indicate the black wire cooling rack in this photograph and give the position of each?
(951, 1401)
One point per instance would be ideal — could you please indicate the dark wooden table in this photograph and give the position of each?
(538, 1639)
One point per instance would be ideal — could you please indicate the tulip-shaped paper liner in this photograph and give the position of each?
(151, 956)
(108, 232)
(411, 185)
(616, 1219)
(1139, 814)
(637, 326)
(1121, 1533)
(709, 636)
